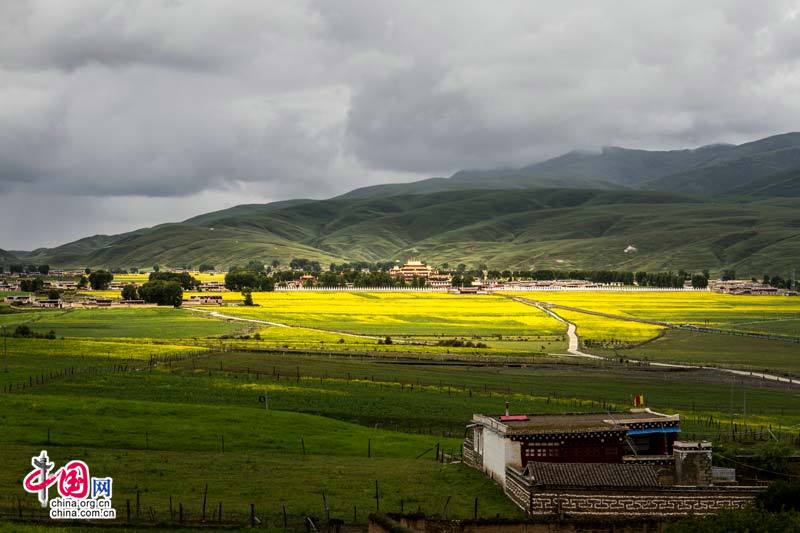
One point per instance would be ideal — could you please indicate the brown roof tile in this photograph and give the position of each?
(592, 474)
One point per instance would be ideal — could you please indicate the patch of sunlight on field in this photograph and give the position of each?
(592, 328)
(147, 322)
(142, 278)
(689, 307)
(400, 313)
(40, 357)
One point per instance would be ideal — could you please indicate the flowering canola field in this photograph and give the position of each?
(778, 315)
(401, 313)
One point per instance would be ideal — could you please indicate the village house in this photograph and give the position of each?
(65, 285)
(49, 303)
(100, 302)
(130, 302)
(18, 300)
(205, 299)
(212, 286)
(626, 463)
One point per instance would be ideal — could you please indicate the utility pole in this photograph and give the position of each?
(5, 350)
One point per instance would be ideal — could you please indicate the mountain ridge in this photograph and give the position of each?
(726, 206)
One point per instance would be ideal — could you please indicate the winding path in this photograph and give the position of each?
(573, 346)
(217, 314)
(574, 351)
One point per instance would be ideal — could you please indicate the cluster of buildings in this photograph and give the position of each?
(620, 464)
(736, 286)
(417, 269)
(48, 303)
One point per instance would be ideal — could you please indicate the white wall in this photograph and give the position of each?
(497, 452)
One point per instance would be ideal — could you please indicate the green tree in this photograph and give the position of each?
(186, 280)
(248, 297)
(156, 268)
(255, 266)
(162, 293)
(44, 269)
(31, 285)
(699, 281)
(205, 267)
(99, 279)
(53, 294)
(130, 292)
(83, 282)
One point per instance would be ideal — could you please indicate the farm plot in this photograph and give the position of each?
(305, 339)
(687, 347)
(690, 307)
(156, 323)
(31, 360)
(404, 314)
(597, 330)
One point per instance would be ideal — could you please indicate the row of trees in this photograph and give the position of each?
(778, 282)
(19, 268)
(244, 279)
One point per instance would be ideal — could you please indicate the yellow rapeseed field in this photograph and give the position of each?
(399, 313)
(690, 307)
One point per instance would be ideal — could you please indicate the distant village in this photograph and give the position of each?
(41, 286)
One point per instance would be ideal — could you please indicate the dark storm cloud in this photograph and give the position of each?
(263, 100)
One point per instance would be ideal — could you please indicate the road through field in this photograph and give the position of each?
(573, 348)
(217, 314)
(574, 344)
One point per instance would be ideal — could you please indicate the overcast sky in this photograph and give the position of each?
(121, 114)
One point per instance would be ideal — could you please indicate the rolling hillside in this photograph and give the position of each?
(7, 257)
(543, 228)
(718, 206)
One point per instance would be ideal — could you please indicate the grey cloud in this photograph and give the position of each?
(312, 98)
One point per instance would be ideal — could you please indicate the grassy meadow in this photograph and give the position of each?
(343, 411)
(150, 322)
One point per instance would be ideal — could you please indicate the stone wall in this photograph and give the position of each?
(470, 456)
(646, 502)
(518, 489)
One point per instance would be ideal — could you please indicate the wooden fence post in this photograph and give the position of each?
(205, 495)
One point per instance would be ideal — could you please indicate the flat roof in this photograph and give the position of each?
(549, 423)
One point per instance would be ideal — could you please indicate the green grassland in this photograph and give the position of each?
(337, 421)
(32, 359)
(687, 347)
(159, 323)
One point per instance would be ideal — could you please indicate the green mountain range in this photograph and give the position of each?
(7, 257)
(718, 206)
